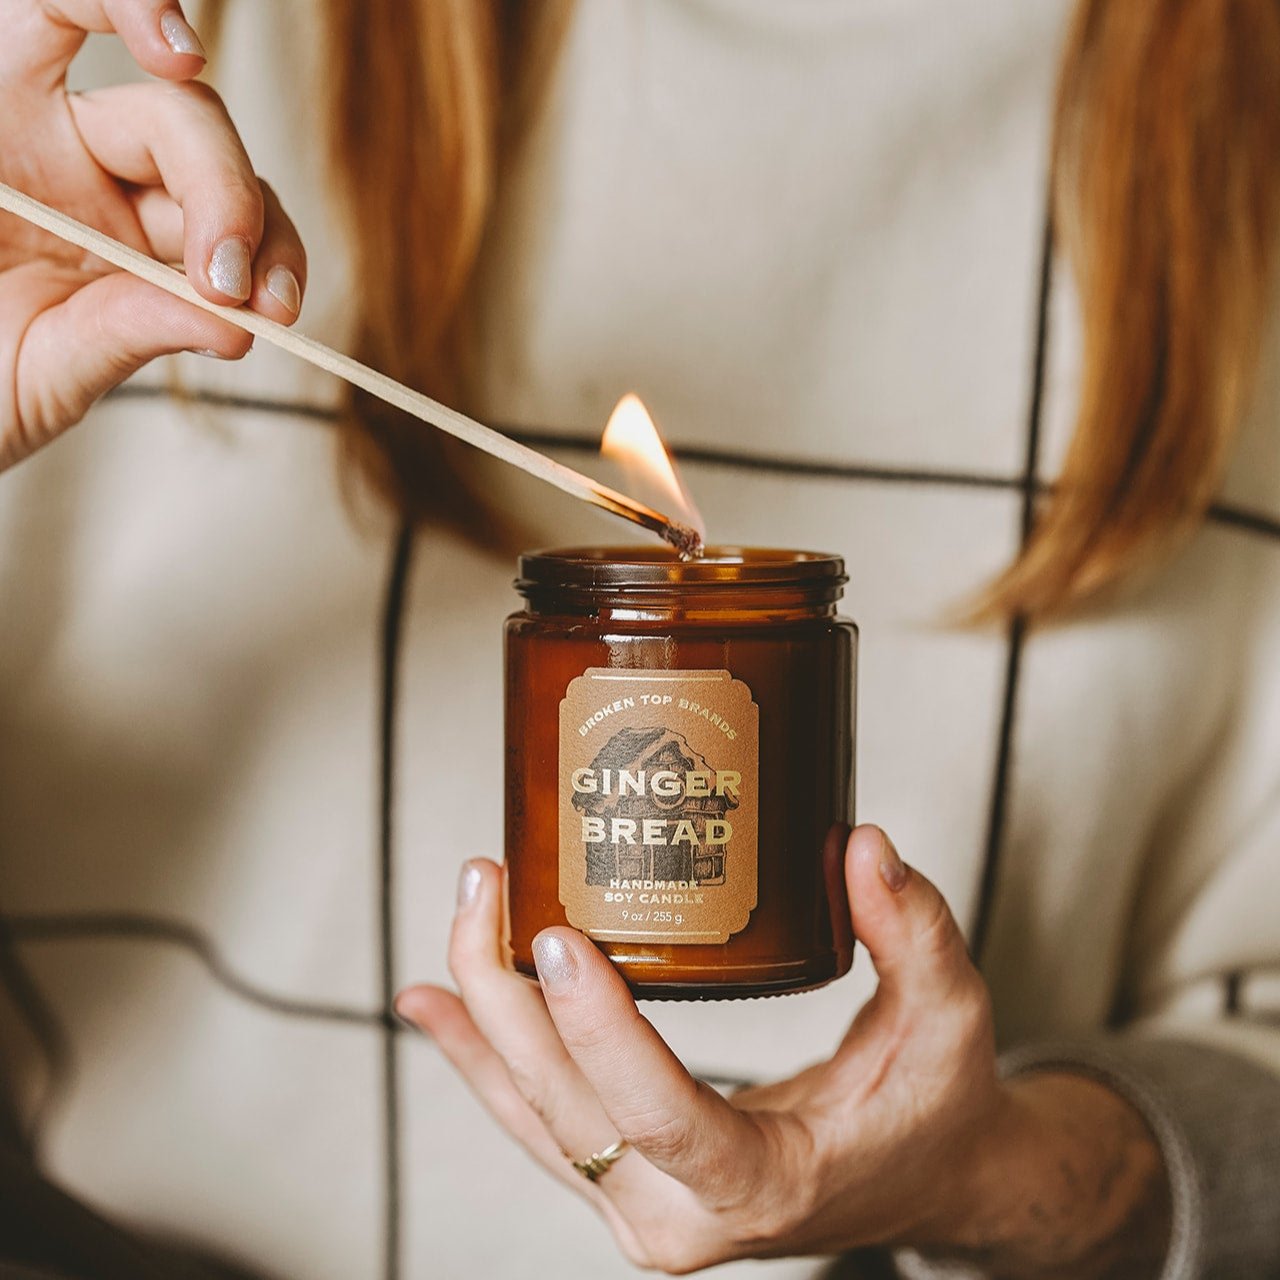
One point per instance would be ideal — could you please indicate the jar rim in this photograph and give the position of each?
(646, 568)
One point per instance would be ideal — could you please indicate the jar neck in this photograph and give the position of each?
(726, 586)
(721, 606)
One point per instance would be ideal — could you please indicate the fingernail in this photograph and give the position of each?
(283, 286)
(230, 270)
(468, 885)
(208, 352)
(893, 871)
(178, 34)
(557, 968)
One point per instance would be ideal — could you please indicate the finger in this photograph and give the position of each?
(41, 39)
(905, 924)
(444, 1017)
(280, 270)
(180, 137)
(678, 1123)
(87, 338)
(511, 1014)
(161, 219)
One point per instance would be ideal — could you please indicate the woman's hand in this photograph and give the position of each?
(906, 1136)
(157, 165)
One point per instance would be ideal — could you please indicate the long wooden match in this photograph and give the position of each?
(686, 540)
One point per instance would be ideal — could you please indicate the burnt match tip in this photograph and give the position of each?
(687, 541)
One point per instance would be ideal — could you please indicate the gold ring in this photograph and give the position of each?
(595, 1167)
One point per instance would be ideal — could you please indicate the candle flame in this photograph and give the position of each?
(633, 441)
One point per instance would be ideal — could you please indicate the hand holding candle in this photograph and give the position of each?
(904, 1136)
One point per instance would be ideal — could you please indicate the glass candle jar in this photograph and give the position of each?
(679, 769)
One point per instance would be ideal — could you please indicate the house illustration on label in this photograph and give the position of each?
(652, 810)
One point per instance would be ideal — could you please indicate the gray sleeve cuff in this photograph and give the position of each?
(1216, 1117)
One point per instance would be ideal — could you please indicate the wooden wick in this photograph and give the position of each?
(687, 541)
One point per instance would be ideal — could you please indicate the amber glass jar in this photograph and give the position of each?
(679, 769)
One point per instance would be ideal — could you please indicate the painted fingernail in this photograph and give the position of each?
(468, 885)
(230, 270)
(893, 871)
(283, 286)
(557, 968)
(178, 34)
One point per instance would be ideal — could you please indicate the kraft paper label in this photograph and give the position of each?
(658, 805)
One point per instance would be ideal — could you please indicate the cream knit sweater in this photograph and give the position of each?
(809, 234)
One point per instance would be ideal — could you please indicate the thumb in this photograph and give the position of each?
(904, 923)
